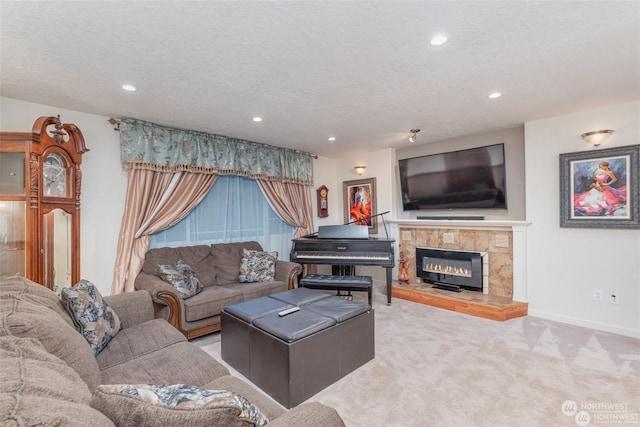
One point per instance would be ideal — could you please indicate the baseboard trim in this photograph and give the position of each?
(605, 327)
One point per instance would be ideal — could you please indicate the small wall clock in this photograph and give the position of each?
(323, 203)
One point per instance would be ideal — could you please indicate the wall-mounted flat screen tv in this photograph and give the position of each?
(466, 179)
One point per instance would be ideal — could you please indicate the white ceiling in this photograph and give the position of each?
(363, 72)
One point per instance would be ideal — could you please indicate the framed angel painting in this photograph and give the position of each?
(600, 189)
(360, 203)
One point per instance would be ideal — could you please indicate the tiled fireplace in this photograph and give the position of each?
(503, 244)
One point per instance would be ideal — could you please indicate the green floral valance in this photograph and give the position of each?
(145, 145)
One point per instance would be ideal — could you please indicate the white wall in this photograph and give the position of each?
(104, 183)
(513, 140)
(565, 265)
(333, 172)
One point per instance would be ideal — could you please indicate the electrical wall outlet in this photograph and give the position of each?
(448, 238)
(597, 295)
(613, 299)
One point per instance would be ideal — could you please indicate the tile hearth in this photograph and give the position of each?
(468, 302)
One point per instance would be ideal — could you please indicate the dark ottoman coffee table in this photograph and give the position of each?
(294, 356)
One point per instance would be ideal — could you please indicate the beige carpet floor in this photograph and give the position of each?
(439, 368)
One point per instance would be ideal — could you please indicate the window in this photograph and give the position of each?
(234, 210)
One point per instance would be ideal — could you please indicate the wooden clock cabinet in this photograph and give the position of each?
(40, 183)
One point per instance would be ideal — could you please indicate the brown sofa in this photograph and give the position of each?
(217, 267)
(50, 376)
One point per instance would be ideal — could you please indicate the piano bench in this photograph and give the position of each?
(338, 283)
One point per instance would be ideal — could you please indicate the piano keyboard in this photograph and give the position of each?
(342, 255)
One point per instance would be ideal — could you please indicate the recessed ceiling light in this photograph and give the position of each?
(129, 88)
(438, 39)
(332, 138)
(495, 95)
(257, 119)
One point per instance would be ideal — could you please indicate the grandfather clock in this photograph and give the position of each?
(40, 182)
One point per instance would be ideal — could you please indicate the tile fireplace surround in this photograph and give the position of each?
(504, 241)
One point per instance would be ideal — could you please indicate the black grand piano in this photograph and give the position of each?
(345, 245)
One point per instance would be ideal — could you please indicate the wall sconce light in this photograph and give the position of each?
(115, 123)
(360, 169)
(597, 137)
(414, 133)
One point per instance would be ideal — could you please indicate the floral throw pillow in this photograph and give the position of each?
(257, 266)
(91, 314)
(182, 277)
(181, 404)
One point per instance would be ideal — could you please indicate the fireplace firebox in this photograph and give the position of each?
(450, 269)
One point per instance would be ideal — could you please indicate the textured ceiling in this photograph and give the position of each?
(363, 72)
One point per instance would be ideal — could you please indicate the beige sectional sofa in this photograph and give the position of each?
(50, 376)
(218, 268)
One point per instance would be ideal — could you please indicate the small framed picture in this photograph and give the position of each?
(360, 203)
(599, 189)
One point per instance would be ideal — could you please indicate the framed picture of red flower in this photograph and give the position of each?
(600, 189)
(360, 203)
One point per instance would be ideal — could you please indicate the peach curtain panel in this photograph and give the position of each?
(292, 202)
(155, 201)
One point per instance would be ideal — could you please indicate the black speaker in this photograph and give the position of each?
(455, 218)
